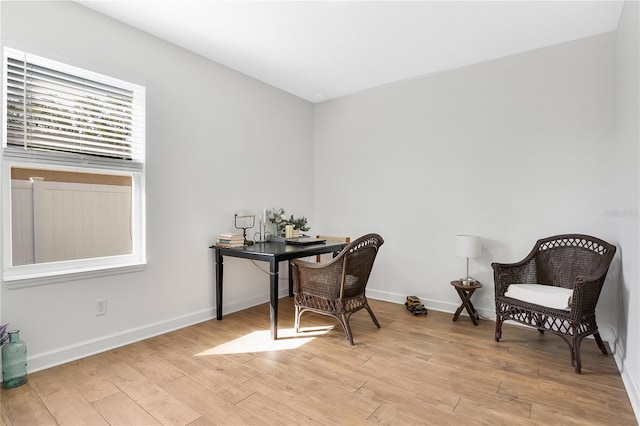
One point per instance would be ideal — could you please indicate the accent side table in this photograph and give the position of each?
(465, 291)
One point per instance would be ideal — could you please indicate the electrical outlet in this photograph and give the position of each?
(101, 307)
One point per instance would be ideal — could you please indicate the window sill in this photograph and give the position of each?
(33, 280)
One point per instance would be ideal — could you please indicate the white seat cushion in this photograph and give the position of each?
(539, 294)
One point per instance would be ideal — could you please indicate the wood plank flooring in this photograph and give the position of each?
(414, 370)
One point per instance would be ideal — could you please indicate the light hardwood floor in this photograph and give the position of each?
(414, 370)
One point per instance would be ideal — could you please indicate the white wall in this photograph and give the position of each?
(217, 142)
(627, 199)
(512, 150)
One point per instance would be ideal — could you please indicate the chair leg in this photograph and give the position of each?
(297, 319)
(373, 317)
(498, 327)
(600, 343)
(575, 355)
(347, 328)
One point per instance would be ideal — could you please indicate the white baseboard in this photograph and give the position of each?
(630, 381)
(87, 348)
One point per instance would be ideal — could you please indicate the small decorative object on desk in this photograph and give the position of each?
(299, 223)
(288, 231)
(281, 220)
(245, 220)
(14, 360)
(262, 236)
(230, 240)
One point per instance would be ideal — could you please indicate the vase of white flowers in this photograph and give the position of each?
(279, 219)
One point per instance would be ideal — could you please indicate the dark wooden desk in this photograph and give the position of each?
(274, 253)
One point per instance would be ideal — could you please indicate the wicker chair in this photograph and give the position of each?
(573, 261)
(336, 288)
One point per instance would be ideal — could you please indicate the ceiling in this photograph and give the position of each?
(319, 50)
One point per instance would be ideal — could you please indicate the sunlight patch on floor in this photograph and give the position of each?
(260, 341)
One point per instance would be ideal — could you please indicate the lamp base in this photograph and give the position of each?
(468, 281)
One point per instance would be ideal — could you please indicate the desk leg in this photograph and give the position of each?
(273, 284)
(290, 280)
(218, 255)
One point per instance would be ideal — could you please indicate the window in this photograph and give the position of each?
(72, 170)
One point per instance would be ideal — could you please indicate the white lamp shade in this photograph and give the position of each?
(468, 246)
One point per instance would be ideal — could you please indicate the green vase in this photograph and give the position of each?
(14, 361)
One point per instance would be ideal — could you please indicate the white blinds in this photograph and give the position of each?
(56, 113)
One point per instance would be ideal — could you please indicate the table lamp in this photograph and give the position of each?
(247, 221)
(468, 246)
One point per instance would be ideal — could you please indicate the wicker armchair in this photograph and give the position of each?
(336, 288)
(573, 261)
